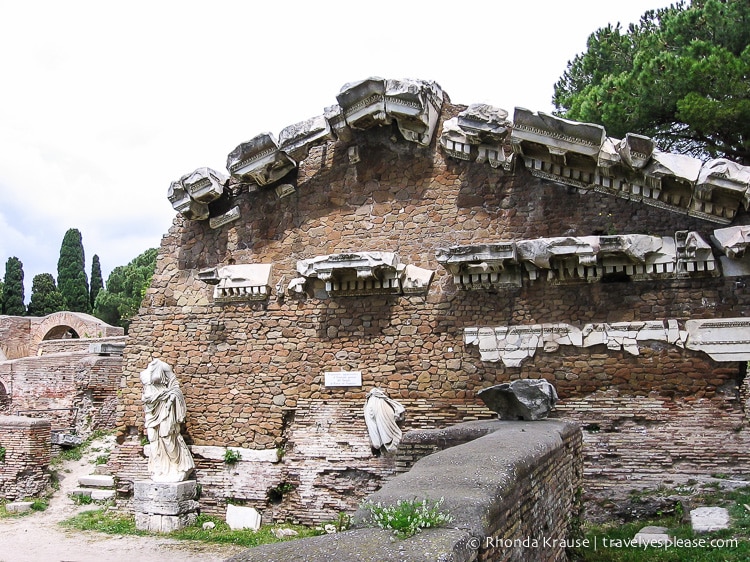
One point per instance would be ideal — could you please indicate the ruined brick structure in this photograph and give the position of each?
(53, 372)
(451, 191)
(25, 444)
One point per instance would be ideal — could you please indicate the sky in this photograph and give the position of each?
(104, 104)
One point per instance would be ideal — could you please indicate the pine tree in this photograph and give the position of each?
(71, 273)
(679, 76)
(126, 287)
(97, 283)
(13, 288)
(45, 297)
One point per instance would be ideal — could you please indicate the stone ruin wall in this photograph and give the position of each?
(23, 472)
(252, 373)
(67, 384)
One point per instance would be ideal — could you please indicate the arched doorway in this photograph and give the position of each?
(61, 332)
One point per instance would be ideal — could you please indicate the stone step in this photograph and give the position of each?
(18, 507)
(96, 481)
(94, 493)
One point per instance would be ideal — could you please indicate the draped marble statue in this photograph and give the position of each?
(164, 406)
(382, 415)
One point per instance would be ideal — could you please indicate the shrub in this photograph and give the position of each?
(408, 517)
(232, 456)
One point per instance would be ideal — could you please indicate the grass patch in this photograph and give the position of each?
(113, 523)
(103, 521)
(612, 543)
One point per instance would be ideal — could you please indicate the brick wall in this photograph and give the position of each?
(74, 391)
(512, 489)
(245, 366)
(27, 454)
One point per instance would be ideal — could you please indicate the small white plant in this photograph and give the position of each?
(407, 517)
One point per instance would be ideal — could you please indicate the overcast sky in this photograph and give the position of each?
(103, 104)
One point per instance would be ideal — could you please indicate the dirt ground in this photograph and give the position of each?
(38, 537)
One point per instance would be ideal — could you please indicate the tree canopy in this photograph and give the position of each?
(12, 303)
(45, 297)
(126, 287)
(681, 76)
(71, 273)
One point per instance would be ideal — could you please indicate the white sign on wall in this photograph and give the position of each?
(343, 378)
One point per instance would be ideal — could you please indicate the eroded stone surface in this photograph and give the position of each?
(525, 399)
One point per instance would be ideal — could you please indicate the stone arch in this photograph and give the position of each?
(61, 325)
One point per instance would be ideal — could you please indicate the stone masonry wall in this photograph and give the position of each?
(512, 489)
(246, 368)
(23, 472)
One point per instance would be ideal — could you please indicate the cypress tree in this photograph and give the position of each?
(71, 272)
(45, 297)
(97, 283)
(13, 288)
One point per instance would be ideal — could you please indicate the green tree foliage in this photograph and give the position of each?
(45, 297)
(71, 272)
(13, 288)
(679, 76)
(126, 287)
(97, 283)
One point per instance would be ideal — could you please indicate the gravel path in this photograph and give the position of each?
(38, 537)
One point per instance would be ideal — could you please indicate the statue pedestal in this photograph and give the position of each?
(162, 507)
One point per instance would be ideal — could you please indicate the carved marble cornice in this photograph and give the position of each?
(363, 273)
(723, 340)
(238, 283)
(575, 259)
(260, 159)
(191, 194)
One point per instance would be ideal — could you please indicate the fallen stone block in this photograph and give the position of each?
(525, 399)
(652, 536)
(239, 517)
(18, 507)
(708, 519)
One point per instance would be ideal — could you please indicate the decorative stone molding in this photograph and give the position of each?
(191, 194)
(415, 105)
(362, 273)
(478, 134)
(260, 160)
(238, 283)
(296, 140)
(184, 204)
(722, 184)
(733, 240)
(230, 216)
(694, 255)
(204, 185)
(373, 102)
(723, 340)
(482, 266)
(570, 259)
(579, 154)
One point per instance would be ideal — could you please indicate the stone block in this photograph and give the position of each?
(165, 498)
(239, 517)
(708, 519)
(163, 523)
(97, 481)
(652, 536)
(18, 507)
(102, 495)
